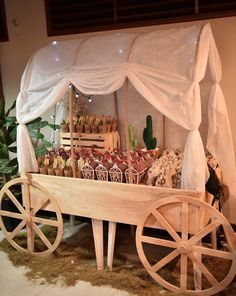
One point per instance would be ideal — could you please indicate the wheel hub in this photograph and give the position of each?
(183, 248)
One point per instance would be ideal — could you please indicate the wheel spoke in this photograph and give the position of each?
(43, 203)
(17, 229)
(201, 234)
(165, 261)
(45, 221)
(15, 201)
(11, 214)
(166, 225)
(26, 196)
(183, 272)
(212, 252)
(212, 280)
(185, 218)
(41, 235)
(30, 237)
(158, 241)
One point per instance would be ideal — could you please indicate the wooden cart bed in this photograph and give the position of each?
(110, 201)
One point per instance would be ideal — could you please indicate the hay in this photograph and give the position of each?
(75, 260)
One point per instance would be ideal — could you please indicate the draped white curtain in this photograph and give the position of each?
(165, 66)
(219, 139)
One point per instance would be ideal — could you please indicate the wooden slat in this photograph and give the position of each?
(104, 142)
(84, 136)
(83, 143)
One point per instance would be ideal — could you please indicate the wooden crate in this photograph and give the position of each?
(101, 142)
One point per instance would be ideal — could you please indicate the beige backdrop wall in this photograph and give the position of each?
(27, 33)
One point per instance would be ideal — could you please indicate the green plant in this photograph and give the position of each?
(8, 126)
(133, 143)
(148, 139)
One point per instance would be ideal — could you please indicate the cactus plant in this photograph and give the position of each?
(148, 139)
(133, 143)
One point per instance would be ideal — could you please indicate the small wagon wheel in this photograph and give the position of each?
(191, 252)
(29, 215)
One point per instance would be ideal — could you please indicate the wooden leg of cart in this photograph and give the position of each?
(111, 244)
(72, 220)
(98, 241)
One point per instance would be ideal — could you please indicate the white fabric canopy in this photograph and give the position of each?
(165, 67)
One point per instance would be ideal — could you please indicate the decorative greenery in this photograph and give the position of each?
(8, 126)
(133, 143)
(148, 139)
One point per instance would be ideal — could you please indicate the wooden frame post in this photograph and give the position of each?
(126, 112)
(72, 149)
(71, 87)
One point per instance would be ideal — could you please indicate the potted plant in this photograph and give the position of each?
(8, 160)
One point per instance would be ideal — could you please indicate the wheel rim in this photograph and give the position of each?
(30, 218)
(184, 248)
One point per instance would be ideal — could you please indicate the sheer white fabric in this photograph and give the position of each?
(165, 66)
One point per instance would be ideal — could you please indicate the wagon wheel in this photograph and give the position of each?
(188, 253)
(29, 234)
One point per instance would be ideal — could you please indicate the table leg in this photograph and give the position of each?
(98, 241)
(111, 243)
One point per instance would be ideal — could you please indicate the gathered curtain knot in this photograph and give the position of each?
(20, 122)
(194, 130)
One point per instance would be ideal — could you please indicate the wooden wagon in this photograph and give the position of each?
(185, 215)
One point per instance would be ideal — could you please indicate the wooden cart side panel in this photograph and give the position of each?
(110, 201)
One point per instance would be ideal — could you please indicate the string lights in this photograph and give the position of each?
(54, 142)
(54, 135)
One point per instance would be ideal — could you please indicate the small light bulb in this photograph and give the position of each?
(58, 103)
(52, 116)
(77, 95)
(90, 100)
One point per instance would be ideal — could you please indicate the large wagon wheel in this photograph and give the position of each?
(190, 254)
(31, 217)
